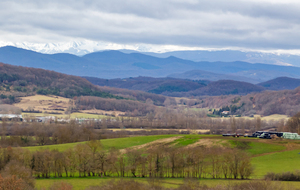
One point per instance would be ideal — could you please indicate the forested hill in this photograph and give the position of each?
(285, 102)
(150, 84)
(281, 83)
(23, 81)
(179, 87)
(17, 81)
(226, 87)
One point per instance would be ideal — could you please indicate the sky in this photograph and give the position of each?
(263, 25)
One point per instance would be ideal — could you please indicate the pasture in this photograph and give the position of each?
(82, 183)
(266, 156)
(57, 106)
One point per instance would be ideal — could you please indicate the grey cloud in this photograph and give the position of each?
(215, 23)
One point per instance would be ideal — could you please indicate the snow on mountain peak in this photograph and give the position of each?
(74, 47)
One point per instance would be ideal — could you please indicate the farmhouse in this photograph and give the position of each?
(225, 112)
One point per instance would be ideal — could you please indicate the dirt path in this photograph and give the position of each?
(207, 143)
(156, 142)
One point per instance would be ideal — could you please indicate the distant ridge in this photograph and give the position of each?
(281, 83)
(180, 87)
(204, 75)
(84, 47)
(115, 64)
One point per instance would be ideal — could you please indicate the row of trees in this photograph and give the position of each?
(32, 134)
(161, 161)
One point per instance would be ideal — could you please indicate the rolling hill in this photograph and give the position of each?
(18, 81)
(179, 87)
(149, 83)
(26, 80)
(226, 87)
(115, 64)
(281, 83)
(204, 75)
(285, 102)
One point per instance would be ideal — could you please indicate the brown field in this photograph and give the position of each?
(52, 103)
(153, 143)
(208, 143)
(44, 103)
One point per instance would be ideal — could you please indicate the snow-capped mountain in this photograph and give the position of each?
(77, 48)
(82, 47)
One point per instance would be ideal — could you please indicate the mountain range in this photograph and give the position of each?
(81, 48)
(183, 87)
(116, 64)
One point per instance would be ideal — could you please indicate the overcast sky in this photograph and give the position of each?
(245, 24)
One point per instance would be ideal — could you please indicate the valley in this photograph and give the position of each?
(90, 130)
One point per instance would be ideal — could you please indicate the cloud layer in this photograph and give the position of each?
(189, 23)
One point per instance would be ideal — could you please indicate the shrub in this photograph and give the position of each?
(285, 176)
(15, 168)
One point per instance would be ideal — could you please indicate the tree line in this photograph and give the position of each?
(160, 161)
(33, 134)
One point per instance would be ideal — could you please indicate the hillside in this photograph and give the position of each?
(115, 64)
(17, 81)
(135, 95)
(179, 87)
(27, 81)
(286, 102)
(150, 84)
(226, 87)
(204, 75)
(281, 83)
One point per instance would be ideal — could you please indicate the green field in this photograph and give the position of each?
(118, 143)
(82, 183)
(267, 156)
(276, 162)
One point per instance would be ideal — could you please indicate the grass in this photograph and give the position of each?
(42, 102)
(121, 143)
(262, 148)
(186, 140)
(118, 143)
(276, 162)
(267, 156)
(256, 148)
(82, 183)
(77, 183)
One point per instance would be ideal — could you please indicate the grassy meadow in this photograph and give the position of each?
(82, 183)
(266, 156)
